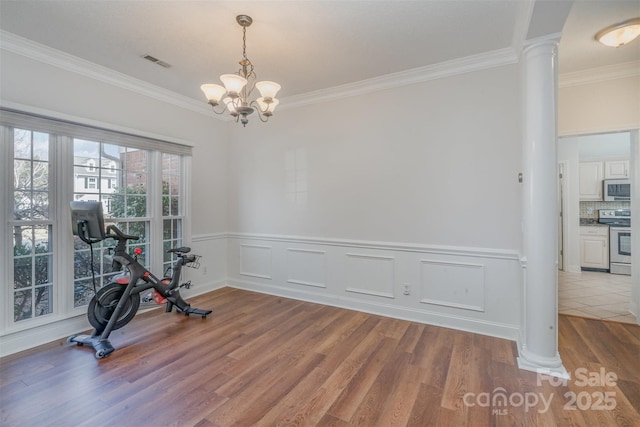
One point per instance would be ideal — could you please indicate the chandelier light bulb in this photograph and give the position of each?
(268, 89)
(213, 93)
(233, 83)
(620, 34)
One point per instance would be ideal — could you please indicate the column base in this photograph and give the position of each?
(551, 366)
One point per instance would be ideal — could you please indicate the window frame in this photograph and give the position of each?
(61, 135)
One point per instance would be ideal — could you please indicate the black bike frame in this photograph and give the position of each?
(138, 273)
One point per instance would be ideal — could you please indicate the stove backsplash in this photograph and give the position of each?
(593, 207)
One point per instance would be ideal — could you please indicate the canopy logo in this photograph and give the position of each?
(499, 400)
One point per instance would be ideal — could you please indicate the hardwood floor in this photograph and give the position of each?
(263, 360)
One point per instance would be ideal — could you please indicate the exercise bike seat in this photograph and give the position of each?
(183, 250)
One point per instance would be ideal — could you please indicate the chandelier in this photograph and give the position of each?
(238, 88)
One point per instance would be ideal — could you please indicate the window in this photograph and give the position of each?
(31, 226)
(90, 183)
(125, 203)
(138, 181)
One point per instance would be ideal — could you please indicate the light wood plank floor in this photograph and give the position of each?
(263, 360)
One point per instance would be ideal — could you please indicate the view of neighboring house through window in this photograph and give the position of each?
(32, 226)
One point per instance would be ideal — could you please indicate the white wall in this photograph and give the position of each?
(434, 163)
(375, 192)
(601, 106)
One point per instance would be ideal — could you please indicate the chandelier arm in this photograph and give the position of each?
(224, 108)
(252, 78)
(261, 115)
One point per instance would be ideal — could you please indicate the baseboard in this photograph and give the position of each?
(29, 338)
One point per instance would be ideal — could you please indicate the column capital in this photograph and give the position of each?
(548, 41)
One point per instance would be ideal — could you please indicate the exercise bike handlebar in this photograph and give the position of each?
(119, 235)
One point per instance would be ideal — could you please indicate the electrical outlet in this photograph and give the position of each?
(407, 290)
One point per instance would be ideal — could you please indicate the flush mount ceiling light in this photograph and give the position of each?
(619, 34)
(238, 88)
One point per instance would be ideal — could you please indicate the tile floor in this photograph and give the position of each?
(595, 295)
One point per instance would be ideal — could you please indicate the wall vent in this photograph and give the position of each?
(156, 61)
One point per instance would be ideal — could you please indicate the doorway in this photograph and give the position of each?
(587, 288)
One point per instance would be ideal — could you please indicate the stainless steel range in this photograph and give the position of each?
(619, 221)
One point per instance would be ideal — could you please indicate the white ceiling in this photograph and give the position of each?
(304, 45)
(578, 49)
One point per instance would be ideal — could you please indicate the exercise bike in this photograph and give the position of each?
(115, 304)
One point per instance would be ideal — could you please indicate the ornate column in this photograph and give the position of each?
(539, 348)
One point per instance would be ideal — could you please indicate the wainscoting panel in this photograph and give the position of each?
(370, 274)
(255, 261)
(471, 289)
(306, 267)
(452, 284)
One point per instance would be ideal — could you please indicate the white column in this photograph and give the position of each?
(539, 349)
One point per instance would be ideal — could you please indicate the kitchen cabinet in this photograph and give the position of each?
(616, 169)
(591, 175)
(594, 247)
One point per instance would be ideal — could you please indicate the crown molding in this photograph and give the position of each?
(601, 74)
(41, 53)
(19, 45)
(416, 75)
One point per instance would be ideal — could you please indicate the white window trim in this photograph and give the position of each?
(5, 242)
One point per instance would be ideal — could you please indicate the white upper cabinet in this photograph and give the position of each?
(591, 175)
(616, 169)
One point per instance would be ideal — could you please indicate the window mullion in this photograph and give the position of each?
(63, 194)
(185, 194)
(6, 200)
(154, 192)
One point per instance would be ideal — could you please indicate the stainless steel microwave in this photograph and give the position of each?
(616, 190)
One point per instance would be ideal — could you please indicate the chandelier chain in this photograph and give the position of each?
(244, 42)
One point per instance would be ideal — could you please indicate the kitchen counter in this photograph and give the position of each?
(591, 222)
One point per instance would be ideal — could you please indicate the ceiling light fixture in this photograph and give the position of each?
(620, 34)
(237, 90)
